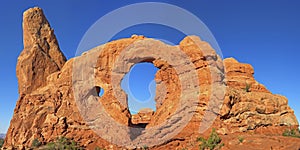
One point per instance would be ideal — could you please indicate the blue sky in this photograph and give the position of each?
(262, 33)
(140, 86)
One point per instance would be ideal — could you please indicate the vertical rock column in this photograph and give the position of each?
(41, 55)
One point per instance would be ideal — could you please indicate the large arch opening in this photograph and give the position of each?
(140, 87)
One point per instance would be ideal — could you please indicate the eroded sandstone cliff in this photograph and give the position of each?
(49, 88)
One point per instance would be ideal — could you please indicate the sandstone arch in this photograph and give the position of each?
(177, 71)
(48, 109)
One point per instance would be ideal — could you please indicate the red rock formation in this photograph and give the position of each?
(60, 99)
(239, 76)
(41, 55)
(142, 117)
(248, 109)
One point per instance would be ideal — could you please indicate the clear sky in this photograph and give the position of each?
(262, 33)
(140, 86)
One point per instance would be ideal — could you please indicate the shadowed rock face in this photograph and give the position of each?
(49, 88)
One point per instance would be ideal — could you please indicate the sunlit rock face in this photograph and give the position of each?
(59, 97)
(41, 55)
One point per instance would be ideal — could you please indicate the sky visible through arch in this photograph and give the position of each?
(264, 34)
(140, 86)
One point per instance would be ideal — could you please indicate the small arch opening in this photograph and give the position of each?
(99, 91)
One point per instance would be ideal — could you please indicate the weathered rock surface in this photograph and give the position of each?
(240, 76)
(59, 98)
(41, 55)
(142, 117)
(247, 109)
